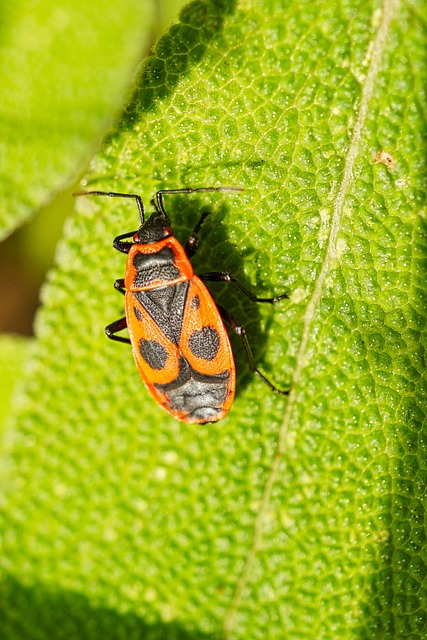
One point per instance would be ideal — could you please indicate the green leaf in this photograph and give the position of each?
(63, 70)
(13, 353)
(292, 518)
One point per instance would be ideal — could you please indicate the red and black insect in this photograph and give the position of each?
(176, 330)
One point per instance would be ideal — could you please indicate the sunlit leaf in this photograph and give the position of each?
(298, 518)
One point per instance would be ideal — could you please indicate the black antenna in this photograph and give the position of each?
(113, 194)
(160, 194)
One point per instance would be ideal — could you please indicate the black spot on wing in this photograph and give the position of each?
(154, 353)
(195, 302)
(204, 343)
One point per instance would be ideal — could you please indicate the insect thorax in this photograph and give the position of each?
(161, 266)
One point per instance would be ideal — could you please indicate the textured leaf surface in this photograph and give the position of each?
(292, 518)
(63, 69)
(14, 351)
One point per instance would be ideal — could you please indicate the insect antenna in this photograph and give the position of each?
(162, 192)
(113, 194)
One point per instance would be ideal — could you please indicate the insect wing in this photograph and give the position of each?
(206, 347)
(182, 351)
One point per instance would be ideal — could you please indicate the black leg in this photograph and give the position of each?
(114, 327)
(124, 247)
(193, 241)
(160, 194)
(225, 276)
(241, 332)
(120, 285)
(114, 194)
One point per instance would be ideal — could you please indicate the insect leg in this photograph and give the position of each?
(124, 247)
(114, 327)
(225, 276)
(241, 332)
(120, 285)
(193, 241)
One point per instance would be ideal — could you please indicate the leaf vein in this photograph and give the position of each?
(389, 9)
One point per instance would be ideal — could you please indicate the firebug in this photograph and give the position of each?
(179, 341)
